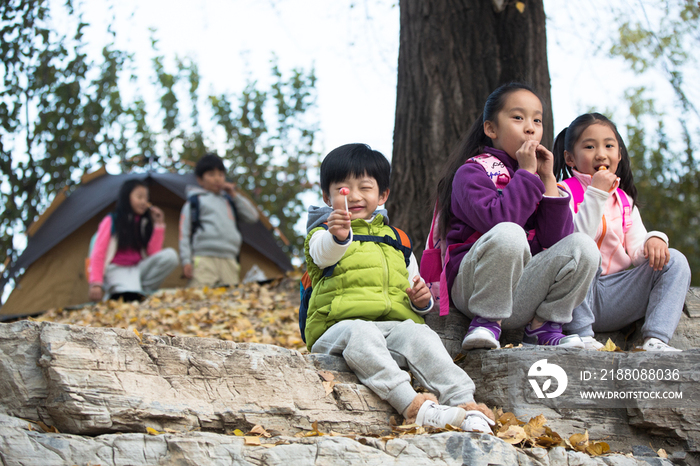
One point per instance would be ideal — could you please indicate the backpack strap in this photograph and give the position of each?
(194, 215)
(576, 189)
(495, 169)
(401, 242)
(626, 208)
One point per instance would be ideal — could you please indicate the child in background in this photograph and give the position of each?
(368, 308)
(127, 256)
(511, 258)
(592, 151)
(209, 254)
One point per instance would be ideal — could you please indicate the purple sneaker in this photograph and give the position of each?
(482, 333)
(550, 334)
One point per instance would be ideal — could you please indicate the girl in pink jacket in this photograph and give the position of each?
(592, 160)
(127, 256)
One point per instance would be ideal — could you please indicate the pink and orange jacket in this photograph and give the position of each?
(105, 249)
(600, 217)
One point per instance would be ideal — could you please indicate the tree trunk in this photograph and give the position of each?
(452, 55)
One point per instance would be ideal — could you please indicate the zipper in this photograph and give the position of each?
(602, 234)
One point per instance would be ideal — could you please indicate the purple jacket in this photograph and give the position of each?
(477, 206)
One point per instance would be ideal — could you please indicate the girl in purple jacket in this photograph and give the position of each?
(512, 260)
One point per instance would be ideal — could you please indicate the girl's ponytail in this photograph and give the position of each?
(561, 170)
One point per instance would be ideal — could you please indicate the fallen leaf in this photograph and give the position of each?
(238, 433)
(138, 335)
(597, 448)
(328, 386)
(258, 429)
(520, 6)
(512, 435)
(326, 375)
(610, 346)
(152, 431)
(252, 441)
(579, 442)
(662, 453)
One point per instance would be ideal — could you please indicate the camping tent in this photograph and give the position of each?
(51, 270)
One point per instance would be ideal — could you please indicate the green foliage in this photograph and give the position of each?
(272, 162)
(51, 113)
(668, 182)
(663, 143)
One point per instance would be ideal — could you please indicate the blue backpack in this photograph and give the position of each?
(401, 242)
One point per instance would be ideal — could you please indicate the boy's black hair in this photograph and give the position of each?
(355, 160)
(472, 145)
(567, 138)
(129, 234)
(208, 162)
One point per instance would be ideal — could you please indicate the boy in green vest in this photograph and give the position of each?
(368, 299)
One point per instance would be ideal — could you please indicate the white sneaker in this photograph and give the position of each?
(591, 343)
(476, 421)
(480, 337)
(435, 415)
(656, 345)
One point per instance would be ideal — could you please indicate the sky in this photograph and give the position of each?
(353, 47)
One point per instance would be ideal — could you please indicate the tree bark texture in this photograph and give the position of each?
(452, 55)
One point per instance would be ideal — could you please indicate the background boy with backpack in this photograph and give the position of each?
(210, 241)
(367, 298)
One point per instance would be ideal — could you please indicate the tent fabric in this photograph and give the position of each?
(97, 197)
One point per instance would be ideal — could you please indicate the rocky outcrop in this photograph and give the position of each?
(100, 391)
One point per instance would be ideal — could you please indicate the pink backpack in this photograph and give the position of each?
(436, 253)
(577, 192)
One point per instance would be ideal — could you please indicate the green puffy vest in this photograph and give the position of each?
(368, 283)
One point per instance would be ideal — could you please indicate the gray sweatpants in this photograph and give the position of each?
(145, 276)
(376, 352)
(499, 278)
(616, 300)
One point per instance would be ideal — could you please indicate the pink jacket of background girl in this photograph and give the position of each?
(105, 248)
(600, 217)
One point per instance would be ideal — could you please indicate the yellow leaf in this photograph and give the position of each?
(253, 441)
(328, 386)
(509, 419)
(610, 346)
(258, 429)
(138, 335)
(579, 441)
(513, 435)
(238, 433)
(520, 6)
(152, 431)
(597, 448)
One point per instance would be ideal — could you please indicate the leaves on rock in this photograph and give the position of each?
(250, 313)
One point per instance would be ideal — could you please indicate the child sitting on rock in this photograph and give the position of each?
(368, 299)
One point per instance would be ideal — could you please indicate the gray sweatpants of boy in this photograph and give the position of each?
(500, 279)
(616, 300)
(146, 276)
(376, 352)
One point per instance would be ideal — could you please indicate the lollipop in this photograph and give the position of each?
(345, 192)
